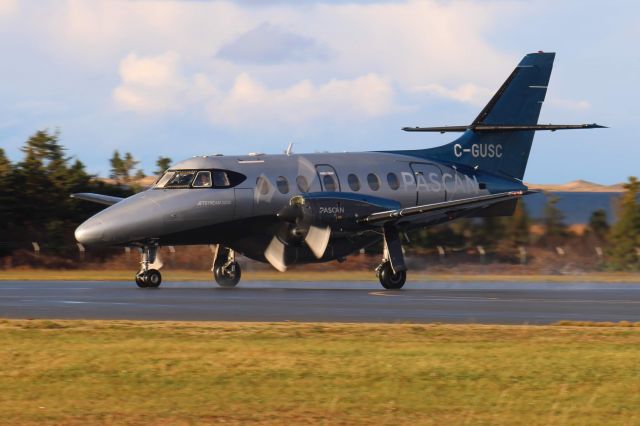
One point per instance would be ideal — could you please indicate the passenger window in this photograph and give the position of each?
(283, 184)
(202, 180)
(373, 181)
(393, 181)
(262, 183)
(354, 182)
(220, 179)
(303, 184)
(181, 179)
(329, 183)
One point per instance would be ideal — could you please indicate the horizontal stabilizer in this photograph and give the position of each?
(503, 128)
(106, 200)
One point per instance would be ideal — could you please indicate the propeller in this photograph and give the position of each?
(299, 225)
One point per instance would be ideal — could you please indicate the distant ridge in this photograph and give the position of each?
(577, 186)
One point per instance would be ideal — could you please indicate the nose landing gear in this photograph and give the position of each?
(392, 272)
(148, 277)
(390, 279)
(226, 271)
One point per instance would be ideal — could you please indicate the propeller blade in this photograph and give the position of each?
(317, 239)
(275, 254)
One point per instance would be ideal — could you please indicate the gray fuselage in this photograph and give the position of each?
(243, 216)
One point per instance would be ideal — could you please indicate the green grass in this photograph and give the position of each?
(302, 275)
(125, 372)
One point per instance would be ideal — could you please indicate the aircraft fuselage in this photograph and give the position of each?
(237, 216)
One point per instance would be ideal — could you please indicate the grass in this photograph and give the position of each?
(302, 275)
(125, 372)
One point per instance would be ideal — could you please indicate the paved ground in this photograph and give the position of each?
(508, 303)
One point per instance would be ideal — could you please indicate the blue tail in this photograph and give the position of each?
(499, 139)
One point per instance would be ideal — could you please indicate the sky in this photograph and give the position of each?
(185, 78)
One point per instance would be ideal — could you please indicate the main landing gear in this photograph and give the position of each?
(226, 271)
(392, 272)
(148, 277)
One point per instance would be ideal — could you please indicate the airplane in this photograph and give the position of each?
(293, 209)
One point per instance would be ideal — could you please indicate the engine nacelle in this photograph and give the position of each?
(338, 210)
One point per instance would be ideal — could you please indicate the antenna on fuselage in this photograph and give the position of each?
(289, 149)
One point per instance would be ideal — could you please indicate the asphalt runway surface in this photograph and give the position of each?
(447, 302)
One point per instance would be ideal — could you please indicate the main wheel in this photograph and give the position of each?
(141, 280)
(229, 276)
(149, 279)
(389, 279)
(153, 278)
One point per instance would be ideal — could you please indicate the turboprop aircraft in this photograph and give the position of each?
(301, 208)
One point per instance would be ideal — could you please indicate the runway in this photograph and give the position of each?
(447, 302)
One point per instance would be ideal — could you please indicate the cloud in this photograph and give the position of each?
(248, 101)
(270, 44)
(157, 84)
(468, 93)
(150, 84)
(569, 104)
(8, 7)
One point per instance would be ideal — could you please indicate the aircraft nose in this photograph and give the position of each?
(90, 232)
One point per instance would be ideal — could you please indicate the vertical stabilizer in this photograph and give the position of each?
(502, 151)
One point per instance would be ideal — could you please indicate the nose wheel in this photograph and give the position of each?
(390, 279)
(392, 272)
(148, 277)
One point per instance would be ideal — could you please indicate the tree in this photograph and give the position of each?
(140, 174)
(7, 197)
(162, 164)
(598, 225)
(624, 236)
(553, 220)
(518, 227)
(129, 165)
(122, 168)
(117, 167)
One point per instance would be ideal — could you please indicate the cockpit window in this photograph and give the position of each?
(164, 179)
(202, 180)
(181, 179)
(199, 179)
(220, 179)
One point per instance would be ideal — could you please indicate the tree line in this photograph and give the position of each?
(34, 193)
(35, 206)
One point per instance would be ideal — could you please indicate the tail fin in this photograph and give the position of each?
(519, 99)
(516, 103)
(499, 139)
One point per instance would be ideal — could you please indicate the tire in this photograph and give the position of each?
(229, 277)
(153, 278)
(391, 280)
(140, 280)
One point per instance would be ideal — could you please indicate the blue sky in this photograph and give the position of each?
(184, 78)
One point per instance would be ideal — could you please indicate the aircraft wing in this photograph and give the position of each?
(451, 208)
(107, 200)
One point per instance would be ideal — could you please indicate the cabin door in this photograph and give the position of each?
(328, 178)
(429, 185)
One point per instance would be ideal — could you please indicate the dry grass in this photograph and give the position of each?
(125, 372)
(303, 275)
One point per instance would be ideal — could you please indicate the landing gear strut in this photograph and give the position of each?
(392, 272)
(226, 271)
(148, 277)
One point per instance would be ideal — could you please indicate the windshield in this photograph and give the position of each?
(181, 179)
(199, 179)
(164, 179)
(202, 180)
